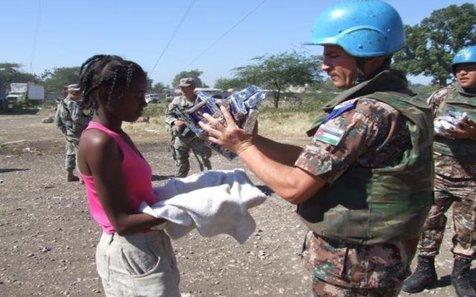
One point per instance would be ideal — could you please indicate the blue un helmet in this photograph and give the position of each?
(464, 56)
(363, 28)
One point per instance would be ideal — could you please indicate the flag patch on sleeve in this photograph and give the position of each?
(329, 135)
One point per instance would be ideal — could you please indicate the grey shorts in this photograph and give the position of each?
(141, 264)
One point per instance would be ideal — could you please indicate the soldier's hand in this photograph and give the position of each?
(466, 130)
(228, 134)
(179, 123)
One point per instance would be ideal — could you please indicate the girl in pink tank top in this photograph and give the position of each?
(131, 259)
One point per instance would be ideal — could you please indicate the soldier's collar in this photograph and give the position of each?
(465, 92)
(387, 80)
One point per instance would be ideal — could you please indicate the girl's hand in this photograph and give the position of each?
(228, 134)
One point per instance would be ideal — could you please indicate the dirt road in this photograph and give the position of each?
(47, 239)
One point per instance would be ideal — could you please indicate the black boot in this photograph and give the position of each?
(424, 276)
(461, 278)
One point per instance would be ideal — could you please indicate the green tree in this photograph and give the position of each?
(229, 83)
(158, 88)
(11, 73)
(55, 79)
(423, 91)
(277, 72)
(432, 44)
(192, 73)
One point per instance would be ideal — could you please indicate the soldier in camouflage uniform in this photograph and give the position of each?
(183, 139)
(71, 120)
(455, 182)
(364, 184)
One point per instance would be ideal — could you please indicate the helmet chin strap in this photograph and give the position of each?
(361, 68)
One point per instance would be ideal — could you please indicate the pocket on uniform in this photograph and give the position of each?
(326, 261)
(140, 261)
(102, 261)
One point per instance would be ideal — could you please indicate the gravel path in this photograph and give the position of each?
(47, 239)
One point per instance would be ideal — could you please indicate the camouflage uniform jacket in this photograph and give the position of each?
(454, 158)
(71, 119)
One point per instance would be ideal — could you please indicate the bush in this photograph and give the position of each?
(156, 109)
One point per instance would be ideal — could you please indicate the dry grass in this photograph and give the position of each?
(279, 125)
(285, 124)
(153, 131)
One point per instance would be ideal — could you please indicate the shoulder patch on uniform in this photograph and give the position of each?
(330, 135)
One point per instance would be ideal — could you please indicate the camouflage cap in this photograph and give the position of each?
(187, 82)
(73, 88)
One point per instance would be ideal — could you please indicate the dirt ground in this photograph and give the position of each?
(47, 239)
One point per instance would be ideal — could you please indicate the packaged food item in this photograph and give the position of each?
(447, 122)
(243, 106)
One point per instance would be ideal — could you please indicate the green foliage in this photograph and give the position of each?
(276, 72)
(156, 110)
(423, 91)
(432, 44)
(327, 86)
(230, 83)
(55, 79)
(192, 73)
(161, 89)
(11, 73)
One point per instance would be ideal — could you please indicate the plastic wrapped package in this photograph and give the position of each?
(447, 122)
(243, 106)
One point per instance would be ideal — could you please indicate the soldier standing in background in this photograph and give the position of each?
(364, 183)
(455, 182)
(71, 120)
(183, 139)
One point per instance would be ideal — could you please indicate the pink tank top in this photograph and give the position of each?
(137, 177)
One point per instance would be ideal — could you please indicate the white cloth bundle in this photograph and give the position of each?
(214, 202)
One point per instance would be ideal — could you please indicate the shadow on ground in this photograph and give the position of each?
(6, 170)
(446, 280)
(156, 177)
(21, 111)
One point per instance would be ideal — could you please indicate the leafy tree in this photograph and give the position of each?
(192, 73)
(158, 88)
(55, 79)
(277, 72)
(229, 83)
(423, 91)
(432, 44)
(11, 73)
(324, 86)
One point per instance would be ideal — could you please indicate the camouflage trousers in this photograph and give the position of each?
(458, 192)
(71, 152)
(343, 270)
(181, 147)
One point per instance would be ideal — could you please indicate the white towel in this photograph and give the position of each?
(214, 202)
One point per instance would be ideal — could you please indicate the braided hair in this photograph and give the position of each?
(106, 70)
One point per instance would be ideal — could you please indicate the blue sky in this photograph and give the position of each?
(43, 34)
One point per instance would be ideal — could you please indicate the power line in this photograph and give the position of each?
(35, 35)
(184, 16)
(226, 32)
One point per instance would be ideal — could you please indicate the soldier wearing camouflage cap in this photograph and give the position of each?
(71, 120)
(455, 181)
(364, 183)
(183, 139)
